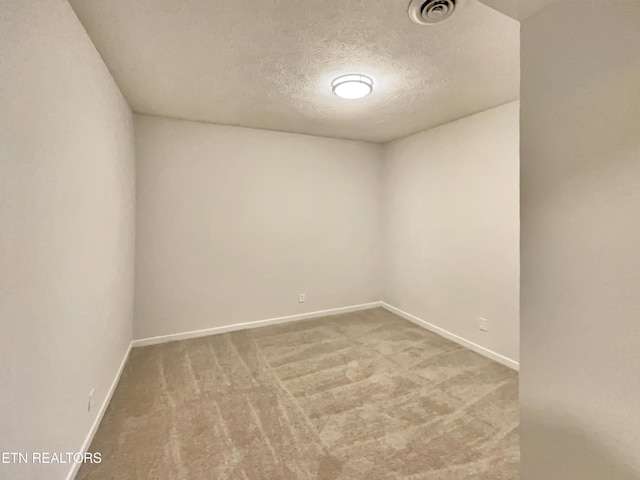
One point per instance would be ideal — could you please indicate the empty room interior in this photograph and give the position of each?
(246, 239)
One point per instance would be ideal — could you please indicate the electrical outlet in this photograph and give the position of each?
(483, 324)
(301, 298)
(90, 403)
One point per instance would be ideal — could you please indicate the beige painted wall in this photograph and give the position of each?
(580, 377)
(234, 223)
(450, 216)
(66, 232)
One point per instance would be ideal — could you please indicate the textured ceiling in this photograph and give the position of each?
(519, 9)
(269, 63)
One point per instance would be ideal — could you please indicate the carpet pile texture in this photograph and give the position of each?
(363, 395)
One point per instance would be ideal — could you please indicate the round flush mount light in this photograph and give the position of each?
(352, 86)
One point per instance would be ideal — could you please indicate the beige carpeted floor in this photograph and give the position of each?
(364, 395)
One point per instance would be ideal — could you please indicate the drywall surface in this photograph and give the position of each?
(66, 232)
(235, 223)
(580, 375)
(450, 215)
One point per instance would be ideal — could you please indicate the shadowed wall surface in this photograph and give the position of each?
(67, 213)
(364, 395)
(580, 185)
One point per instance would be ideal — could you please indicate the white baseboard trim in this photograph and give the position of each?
(103, 408)
(246, 325)
(485, 352)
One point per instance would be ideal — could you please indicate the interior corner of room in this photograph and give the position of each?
(312, 242)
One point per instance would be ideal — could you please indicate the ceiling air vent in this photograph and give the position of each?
(430, 12)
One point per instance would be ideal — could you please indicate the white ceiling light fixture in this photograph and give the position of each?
(352, 86)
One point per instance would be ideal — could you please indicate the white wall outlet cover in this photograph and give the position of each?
(302, 298)
(483, 324)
